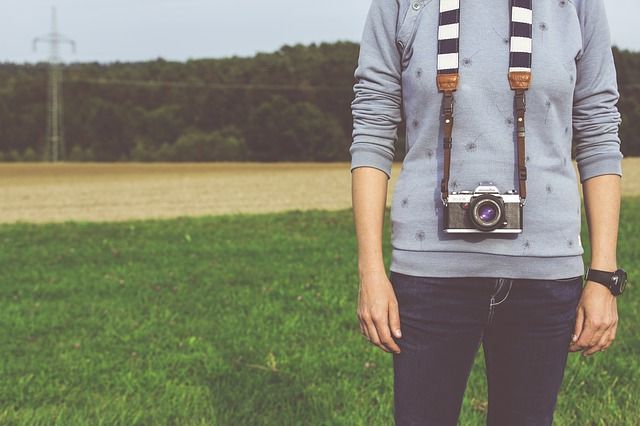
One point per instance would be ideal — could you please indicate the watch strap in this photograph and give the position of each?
(602, 277)
(606, 278)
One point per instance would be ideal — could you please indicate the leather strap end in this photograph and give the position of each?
(519, 79)
(447, 82)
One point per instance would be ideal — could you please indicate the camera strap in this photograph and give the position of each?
(519, 76)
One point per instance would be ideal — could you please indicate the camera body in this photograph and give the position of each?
(483, 210)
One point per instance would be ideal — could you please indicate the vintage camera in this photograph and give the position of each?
(483, 210)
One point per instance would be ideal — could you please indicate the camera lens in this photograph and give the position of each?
(486, 212)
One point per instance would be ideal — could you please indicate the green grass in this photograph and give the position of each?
(233, 320)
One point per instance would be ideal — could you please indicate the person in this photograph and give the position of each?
(517, 286)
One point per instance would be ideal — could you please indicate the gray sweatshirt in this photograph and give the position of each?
(573, 95)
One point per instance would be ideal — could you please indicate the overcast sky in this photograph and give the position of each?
(132, 30)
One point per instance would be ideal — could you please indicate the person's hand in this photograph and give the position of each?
(596, 320)
(378, 311)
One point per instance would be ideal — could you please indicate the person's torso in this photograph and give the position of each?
(484, 144)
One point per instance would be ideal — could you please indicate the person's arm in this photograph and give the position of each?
(376, 115)
(596, 122)
(376, 107)
(378, 312)
(603, 190)
(369, 197)
(597, 315)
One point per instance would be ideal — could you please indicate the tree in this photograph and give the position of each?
(280, 130)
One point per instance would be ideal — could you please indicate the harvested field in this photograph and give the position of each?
(42, 192)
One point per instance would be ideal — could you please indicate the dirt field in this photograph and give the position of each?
(41, 192)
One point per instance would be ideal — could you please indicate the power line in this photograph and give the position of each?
(210, 86)
(55, 129)
(231, 86)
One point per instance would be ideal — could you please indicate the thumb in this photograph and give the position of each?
(394, 318)
(577, 328)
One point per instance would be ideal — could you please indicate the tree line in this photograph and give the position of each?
(291, 105)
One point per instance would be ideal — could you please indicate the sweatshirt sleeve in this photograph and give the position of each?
(595, 116)
(378, 94)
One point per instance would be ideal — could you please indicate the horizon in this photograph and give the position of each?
(44, 61)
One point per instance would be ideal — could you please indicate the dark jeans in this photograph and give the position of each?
(524, 325)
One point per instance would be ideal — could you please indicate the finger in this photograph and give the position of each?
(598, 346)
(384, 331)
(577, 330)
(591, 333)
(363, 325)
(373, 335)
(382, 327)
(394, 322)
(599, 327)
(614, 331)
(387, 340)
(607, 337)
(394, 318)
(579, 324)
(608, 343)
(363, 330)
(360, 324)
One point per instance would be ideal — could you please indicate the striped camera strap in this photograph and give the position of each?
(519, 73)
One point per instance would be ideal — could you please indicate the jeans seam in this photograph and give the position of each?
(506, 295)
(496, 289)
(499, 284)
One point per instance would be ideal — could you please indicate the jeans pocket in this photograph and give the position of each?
(568, 280)
(566, 289)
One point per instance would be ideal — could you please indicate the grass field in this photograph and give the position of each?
(42, 192)
(233, 320)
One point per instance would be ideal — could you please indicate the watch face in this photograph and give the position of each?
(619, 280)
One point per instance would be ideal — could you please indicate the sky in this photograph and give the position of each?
(138, 30)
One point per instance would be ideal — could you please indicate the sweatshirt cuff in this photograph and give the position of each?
(600, 164)
(368, 155)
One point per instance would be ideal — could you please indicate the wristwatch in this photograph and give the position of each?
(615, 281)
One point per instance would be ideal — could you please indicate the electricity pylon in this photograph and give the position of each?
(55, 130)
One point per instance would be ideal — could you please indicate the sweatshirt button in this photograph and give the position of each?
(416, 5)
